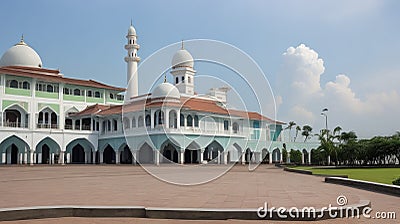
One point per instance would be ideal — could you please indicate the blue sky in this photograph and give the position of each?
(360, 39)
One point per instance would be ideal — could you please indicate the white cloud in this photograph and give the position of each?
(303, 96)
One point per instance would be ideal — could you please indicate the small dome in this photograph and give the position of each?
(165, 90)
(182, 58)
(22, 55)
(131, 31)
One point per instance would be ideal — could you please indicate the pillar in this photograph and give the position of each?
(225, 158)
(156, 158)
(309, 158)
(86, 157)
(302, 157)
(52, 158)
(20, 158)
(243, 158)
(181, 156)
(201, 151)
(117, 157)
(94, 157)
(39, 158)
(134, 157)
(288, 157)
(34, 157)
(68, 157)
(219, 157)
(9, 157)
(280, 156)
(62, 162)
(270, 157)
(3, 157)
(101, 157)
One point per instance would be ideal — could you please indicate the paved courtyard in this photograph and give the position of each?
(131, 185)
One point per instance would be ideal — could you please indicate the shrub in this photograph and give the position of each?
(397, 181)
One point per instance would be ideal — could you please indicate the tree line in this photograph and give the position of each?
(344, 148)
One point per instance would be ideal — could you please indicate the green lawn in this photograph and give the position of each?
(380, 175)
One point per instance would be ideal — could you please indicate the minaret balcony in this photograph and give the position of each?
(132, 46)
(135, 59)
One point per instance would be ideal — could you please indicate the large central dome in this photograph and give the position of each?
(165, 90)
(21, 55)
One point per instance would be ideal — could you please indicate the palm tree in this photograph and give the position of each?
(307, 130)
(290, 125)
(326, 143)
(298, 129)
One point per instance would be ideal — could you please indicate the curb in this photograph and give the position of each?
(42, 212)
(366, 185)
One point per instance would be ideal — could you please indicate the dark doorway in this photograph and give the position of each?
(126, 156)
(14, 154)
(78, 154)
(45, 154)
(109, 155)
(191, 156)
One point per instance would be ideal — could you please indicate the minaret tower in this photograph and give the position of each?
(132, 60)
(183, 71)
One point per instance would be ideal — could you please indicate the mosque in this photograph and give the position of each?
(47, 118)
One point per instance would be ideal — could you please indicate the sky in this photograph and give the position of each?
(342, 55)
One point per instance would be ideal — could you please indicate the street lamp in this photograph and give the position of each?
(324, 113)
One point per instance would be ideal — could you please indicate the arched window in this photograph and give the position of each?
(115, 124)
(172, 119)
(226, 125)
(189, 80)
(127, 123)
(13, 84)
(108, 125)
(176, 80)
(148, 120)
(77, 92)
(235, 128)
(140, 121)
(183, 78)
(66, 91)
(49, 88)
(97, 94)
(182, 120)
(111, 96)
(189, 121)
(77, 125)
(134, 122)
(196, 120)
(160, 117)
(26, 85)
(89, 93)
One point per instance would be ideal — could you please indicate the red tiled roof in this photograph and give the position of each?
(93, 109)
(53, 76)
(194, 104)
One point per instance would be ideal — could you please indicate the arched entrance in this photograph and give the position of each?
(78, 154)
(146, 154)
(126, 155)
(170, 154)
(276, 156)
(305, 157)
(191, 156)
(213, 152)
(109, 155)
(45, 154)
(249, 155)
(13, 150)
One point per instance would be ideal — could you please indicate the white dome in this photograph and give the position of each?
(131, 31)
(182, 58)
(165, 90)
(22, 55)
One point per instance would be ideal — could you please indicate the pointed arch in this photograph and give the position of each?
(13, 146)
(146, 154)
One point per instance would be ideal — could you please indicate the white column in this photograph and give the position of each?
(25, 159)
(302, 158)
(101, 158)
(86, 157)
(156, 158)
(219, 157)
(52, 158)
(39, 157)
(201, 151)
(288, 157)
(3, 158)
(243, 158)
(94, 157)
(309, 158)
(117, 157)
(270, 158)
(225, 157)
(134, 157)
(20, 158)
(181, 158)
(62, 158)
(34, 157)
(280, 156)
(31, 157)
(9, 157)
(68, 157)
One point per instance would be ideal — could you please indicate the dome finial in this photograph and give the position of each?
(182, 45)
(131, 22)
(21, 42)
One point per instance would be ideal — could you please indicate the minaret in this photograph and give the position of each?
(132, 59)
(183, 71)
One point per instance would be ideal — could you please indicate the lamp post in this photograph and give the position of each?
(324, 113)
